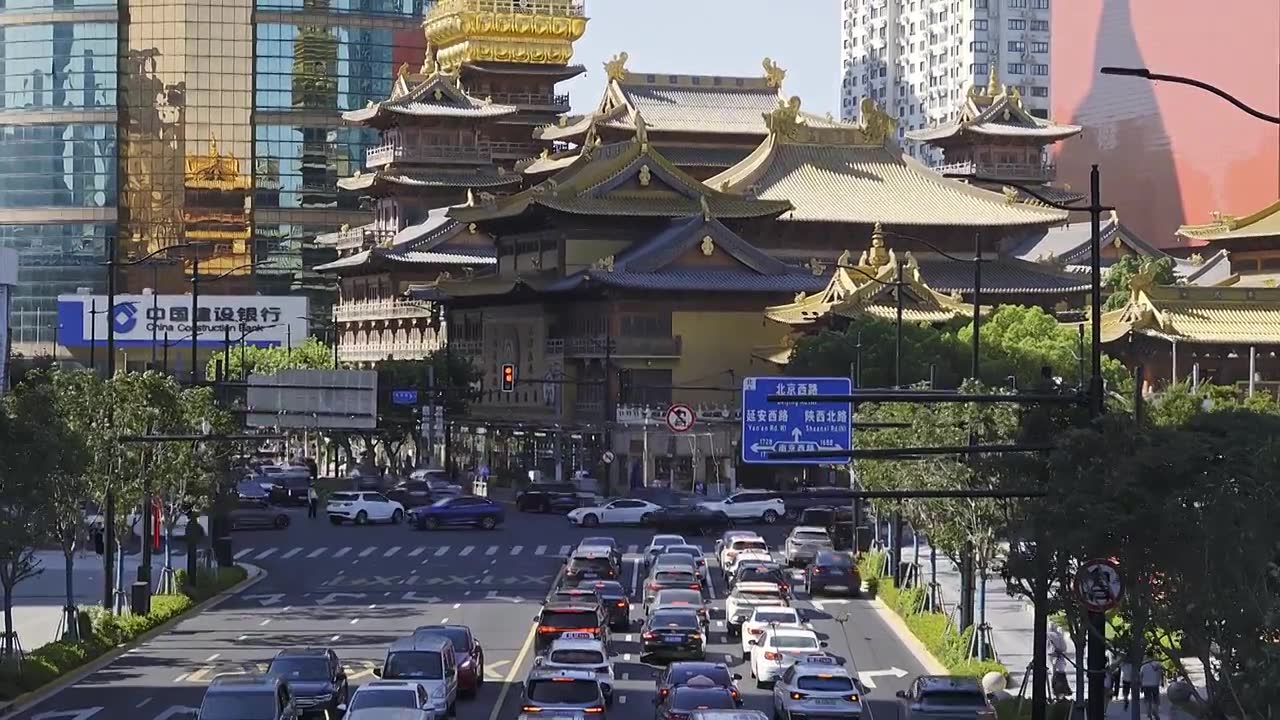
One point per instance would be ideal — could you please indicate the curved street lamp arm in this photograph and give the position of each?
(933, 247)
(234, 270)
(148, 256)
(1179, 80)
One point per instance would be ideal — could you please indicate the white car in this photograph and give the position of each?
(764, 617)
(817, 686)
(739, 545)
(404, 694)
(362, 508)
(623, 511)
(780, 648)
(750, 505)
(658, 542)
(581, 651)
(804, 543)
(745, 598)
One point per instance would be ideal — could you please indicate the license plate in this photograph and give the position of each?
(672, 638)
(824, 702)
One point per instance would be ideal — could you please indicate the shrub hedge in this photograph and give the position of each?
(101, 631)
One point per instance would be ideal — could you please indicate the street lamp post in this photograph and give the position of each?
(195, 304)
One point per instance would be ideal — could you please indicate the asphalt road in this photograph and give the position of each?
(356, 589)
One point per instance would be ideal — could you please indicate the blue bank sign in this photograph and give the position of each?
(769, 427)
(143, 320)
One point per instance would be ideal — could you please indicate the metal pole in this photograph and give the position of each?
(1173, 372)
(1080, 355)
(148, 530)
(195, 314)
(111, 305)
(93, 333)
(288, 339)
(977, 298)
(897, 338)
(854, 371)
(613, 385)
(244, 363)
(896, 547)
(1095, 311)
(1253, 367)
(226, 349)
(155, 308)
(449, 390)
(335, 345)
(857, 362)
(165, 350)
(1040, 634)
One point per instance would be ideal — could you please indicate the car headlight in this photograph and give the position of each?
(438, 692)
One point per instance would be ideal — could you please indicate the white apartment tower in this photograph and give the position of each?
(917, 58)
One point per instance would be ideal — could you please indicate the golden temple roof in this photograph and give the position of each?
(868, 288)
(437, 94)
(1263, 223)
(996, 111)
(1197, 314)
(539, 32)
(856, 174)
(443, 177)
(215, 171)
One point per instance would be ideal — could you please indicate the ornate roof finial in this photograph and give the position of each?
(403, 71)
(213, 145)
(616, 69)
(876, 256)
(1142, 282)
(877, 126)
(646, 176)
(843, 260)
(1015, 96)
(1010, 195)
(708, 246)
(993, 82)
(706, 209)
(785, 118)
(773, 74)
(429, 61)
(642, 133)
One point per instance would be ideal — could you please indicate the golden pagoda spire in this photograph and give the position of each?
(993, 82)
(876, 256)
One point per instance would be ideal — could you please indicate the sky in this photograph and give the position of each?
(714, 37)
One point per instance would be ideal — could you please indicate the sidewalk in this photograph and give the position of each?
(38, 601)
(1012, 628)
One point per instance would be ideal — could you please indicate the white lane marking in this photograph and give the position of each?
(517, 549)
(367, 551)
(493, 550)
(342, 552)
(144, 702)
(355, 620)
(416, 551)
(440, 551)
(457, 605)
(391, 551)
(334, 638)
(371, 607)
(317, 552)
(540, 550)
(264, 622)
(264, 553)
(466, 550)
(444, 621)
(564, 549)
(635, 577)
(242, 637)
(633, 549)
(212, 657)
(509, 681)
(622, 699)
(243, 552)
(291, 553)
(626, 638)
(626, 657)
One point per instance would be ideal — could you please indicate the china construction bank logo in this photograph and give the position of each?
(125, 317)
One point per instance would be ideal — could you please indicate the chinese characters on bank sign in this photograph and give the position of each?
(265, 320)
(799, 426)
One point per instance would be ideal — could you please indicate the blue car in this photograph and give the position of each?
(462, 510)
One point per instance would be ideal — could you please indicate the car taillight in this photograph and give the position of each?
(530, 708)
(817, 571)
(695, 586)
(622, 603)
(654, 586)
(756, 631)
(851, 698)
(798, 696)
(649, 635)
(594, 710)
(771, 655)
(731, 555)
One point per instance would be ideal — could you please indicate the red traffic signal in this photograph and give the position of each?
(508, 377)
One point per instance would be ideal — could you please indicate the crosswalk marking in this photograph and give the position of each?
(291, 553)
(317, 552)
(243, 552)
(416, 551)
(517, 549)
(466, 550)
(264, 553)
(540, 550)
(633, 549)
(564, 549)
(493, 550)
(342, 552)
(391, 551)
(440, 552)
(367, 552)
(397, 552)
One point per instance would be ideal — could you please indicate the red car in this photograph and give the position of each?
(468, 652)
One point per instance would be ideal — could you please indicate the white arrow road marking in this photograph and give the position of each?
(413, 597)
(493, 669)
(867, 677)
(416, 551)
(317, 552)
(441, 551)
(266, 600)
(333, 597)
(291, 553)
(169, 712)
(78, 714)
(493, 595)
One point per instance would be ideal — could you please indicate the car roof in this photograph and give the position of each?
(303, 652)
(570, 606)
(591, 552)
(784, 631)
(681, 609)
(667, 558)
(829, 555)
(543, 673)
(775, 608)
(949, 682)
(576, 644)
(598, 541)
(439, 627)
(244, 682)
(391, 685)
(696, 665)
(806, 667)
(668, 537)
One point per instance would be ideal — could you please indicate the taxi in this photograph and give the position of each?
(817, 688)
(550, 692)
(581, 651)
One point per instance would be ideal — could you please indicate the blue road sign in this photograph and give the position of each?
(794, 426)
(404, 397)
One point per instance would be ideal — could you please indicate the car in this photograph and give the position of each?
(699, 694)
(590, 564)
(778, 649)
(315, 676)
(745, 598)
(681, 598)
(657, 543)
(254, 513)
(616, 601)
(767, 507)
(764, 617)
(548, 497)
(758, 571)
(832, 571)
(737, 545)
(426, 660)
(693, 519)
(623, 511)
(681, 672)
(380, 713)
(248, 698)
(710, 714)
(944, 696)
(557, 618)
(581, 651)
(289, 488)
(692, 551)
(465, 510)
(673, 633)
(747, 555)
(669, 579)
(839, 524)
(388, 694)
(575, 595)
(467, 651)
(551, 691)
(363, 508)
(816, 686)
(803, 543)
(603, 541)
(728, 537)
(414, 493)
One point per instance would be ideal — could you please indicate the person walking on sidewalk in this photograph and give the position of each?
(1151, 676)
(1126, 679)
(313, 499)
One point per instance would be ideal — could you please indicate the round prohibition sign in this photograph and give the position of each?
(1099, 585)
(680, 418)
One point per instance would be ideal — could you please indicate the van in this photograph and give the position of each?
(428, 659)
(248, 698)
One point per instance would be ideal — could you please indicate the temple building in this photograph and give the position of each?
(216, 210)
(1253, 242)
(994, 135)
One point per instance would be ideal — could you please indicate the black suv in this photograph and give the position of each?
(548, 497)
(315, 676)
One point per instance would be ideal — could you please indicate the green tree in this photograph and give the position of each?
(311, 354)
(1121, 273)
(924, 350)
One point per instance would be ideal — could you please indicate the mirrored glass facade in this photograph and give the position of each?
(58, 65)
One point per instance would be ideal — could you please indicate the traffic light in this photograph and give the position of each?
(624, 386)
(508, 377)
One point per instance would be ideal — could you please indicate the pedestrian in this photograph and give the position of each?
(313, 499)
(1151, 677)
(1126, 679)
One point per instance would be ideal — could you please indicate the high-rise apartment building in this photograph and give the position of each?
(153, 122)
(917, 58)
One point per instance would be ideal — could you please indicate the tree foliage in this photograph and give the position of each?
(1121, 273)
(310, 354)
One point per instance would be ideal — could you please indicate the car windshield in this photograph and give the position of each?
(775, 617)
(757, 595)
(742, 545)
(663, 541)
(828, 683)
(577, 656)
(718, 674)
(379, 698)
(813, 536)
(563, 691)
(343, 497)
(242, 705)
(674, 560)
(607, 588)
(759, 573)
(414, 665)
(565, 619)
(688, 698)
(443, 502)
(679, 597)
(954, 699)
(456, 635)
(794, 642)
(590, 564)
(597, 541)
(673, 618)
(834, 560)
(296, 668)
(689, 550)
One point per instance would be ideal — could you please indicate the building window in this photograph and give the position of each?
(354, 65)
(978, 46)
(1017, 24)
(978, 24)
(1017, 68)
(1040, 25)
(979, 4)
(58, 65)
(1039, 47)
(1040, 4)
(1018, 4)
(1037, 91)
(1017, 46)
(978, 69)
(1039, 69)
